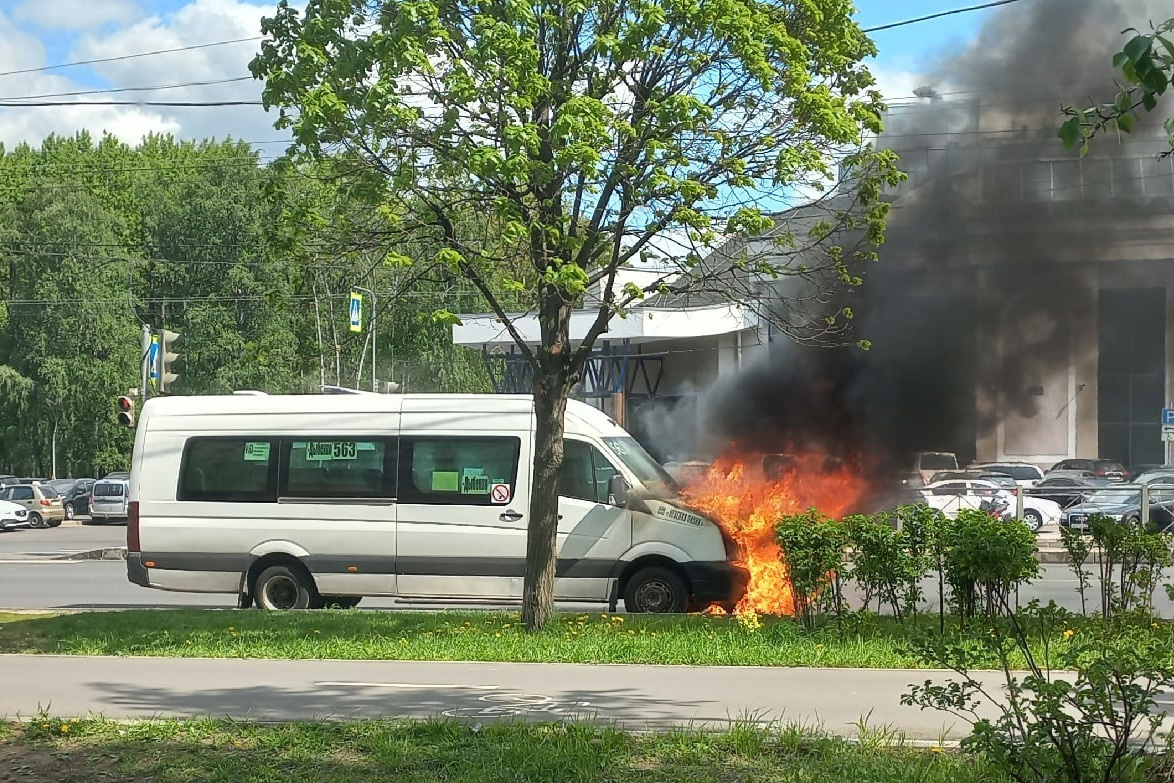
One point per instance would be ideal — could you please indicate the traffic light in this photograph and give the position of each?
(126, 412)
(167, 357)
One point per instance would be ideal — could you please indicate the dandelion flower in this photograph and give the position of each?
(1068, 634)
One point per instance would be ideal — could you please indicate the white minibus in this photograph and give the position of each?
(304, 501)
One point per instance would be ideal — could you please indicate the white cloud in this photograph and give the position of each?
(894, 84)
(75, 14)
(24, 50)
(197, 22)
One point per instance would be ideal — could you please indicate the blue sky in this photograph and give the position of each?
(45, 32)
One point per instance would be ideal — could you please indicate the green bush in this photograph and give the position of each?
(889, 560)
(813, 552)
(1107, 676)
(1130, 562)
(985, 560)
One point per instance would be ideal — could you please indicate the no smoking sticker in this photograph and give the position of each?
(500, 493)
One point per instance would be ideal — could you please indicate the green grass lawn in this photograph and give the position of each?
(460, 636)
(54, 751)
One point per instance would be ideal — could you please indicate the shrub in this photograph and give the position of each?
(985, 561)
(888, 561)
(813, 552)
(1043, 724)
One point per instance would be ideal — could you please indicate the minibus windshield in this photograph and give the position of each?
(641, 463)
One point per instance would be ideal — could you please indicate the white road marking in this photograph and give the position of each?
(406, 685)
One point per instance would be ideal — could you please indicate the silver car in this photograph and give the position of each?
(109, 500)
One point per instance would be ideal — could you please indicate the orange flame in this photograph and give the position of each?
(746, 502)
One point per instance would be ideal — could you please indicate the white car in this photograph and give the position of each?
(954, 495)
(1025, 474)
(12, 515)
(927, 463)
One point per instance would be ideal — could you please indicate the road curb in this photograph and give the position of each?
(105, 553)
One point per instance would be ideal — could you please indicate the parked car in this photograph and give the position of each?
(927, 463)
(12, 515)
(1155, 476)
(954, 495)
(687, 472)
(1037, 512)
(1024, 473)
(1124, 504)
(118, 474)
(1145, 467)
(953, 475)
(42, 502)
(1102, 468)
(109, 500)
(75, 494)
(999, 491)
(1068, 488)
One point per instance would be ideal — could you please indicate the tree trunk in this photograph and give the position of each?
(552, 385)
(550, 404)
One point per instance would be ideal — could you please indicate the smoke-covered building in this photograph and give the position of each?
(1023, 302)
(1022, 306)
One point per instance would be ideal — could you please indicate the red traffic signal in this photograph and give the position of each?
(126, 412)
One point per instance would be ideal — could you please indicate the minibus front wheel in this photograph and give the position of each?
(655, 590)
(281, 588)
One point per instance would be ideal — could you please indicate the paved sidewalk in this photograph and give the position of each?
(634, 697)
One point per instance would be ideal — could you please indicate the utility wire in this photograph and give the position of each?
(131, 56)
(42, 104)
(938, 15)
(127, 89)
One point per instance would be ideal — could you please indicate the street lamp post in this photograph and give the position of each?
(371, 294)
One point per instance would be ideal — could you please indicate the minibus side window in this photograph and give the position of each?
(586, 474)
(457, 470)
(338, 467)
(229, 470)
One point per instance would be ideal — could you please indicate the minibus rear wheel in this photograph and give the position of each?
(655, 590)
(281, 588)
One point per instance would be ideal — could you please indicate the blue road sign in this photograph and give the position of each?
(1168, 416)
(356, 312)
(153, 358)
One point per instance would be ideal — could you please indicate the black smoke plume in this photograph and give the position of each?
(974, 307)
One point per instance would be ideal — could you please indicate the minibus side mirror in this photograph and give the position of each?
(617, 490)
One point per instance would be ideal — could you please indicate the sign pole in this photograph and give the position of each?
(145, 364)
(1168, 435)
(371, 294)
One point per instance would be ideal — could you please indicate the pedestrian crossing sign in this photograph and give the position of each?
(356, 311)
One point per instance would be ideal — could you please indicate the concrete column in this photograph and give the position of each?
(1084, 440)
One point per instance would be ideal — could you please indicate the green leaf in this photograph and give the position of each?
(1125, 123)
(1071, 131)
(1138, 48)
(1119, 59)
(446, 318)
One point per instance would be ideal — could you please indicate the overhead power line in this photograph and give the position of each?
(131, 56)
(938, 15)
(43, 104)
(109, 90)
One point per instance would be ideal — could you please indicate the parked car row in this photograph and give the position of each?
(991, 492)
(41, 503)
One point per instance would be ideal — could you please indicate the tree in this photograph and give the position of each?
(1147, 64)
(587, 130)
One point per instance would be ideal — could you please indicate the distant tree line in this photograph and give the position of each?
(252, 262)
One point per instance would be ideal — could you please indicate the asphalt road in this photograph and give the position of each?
(70, 537)
(62, 584)
(632, 697)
